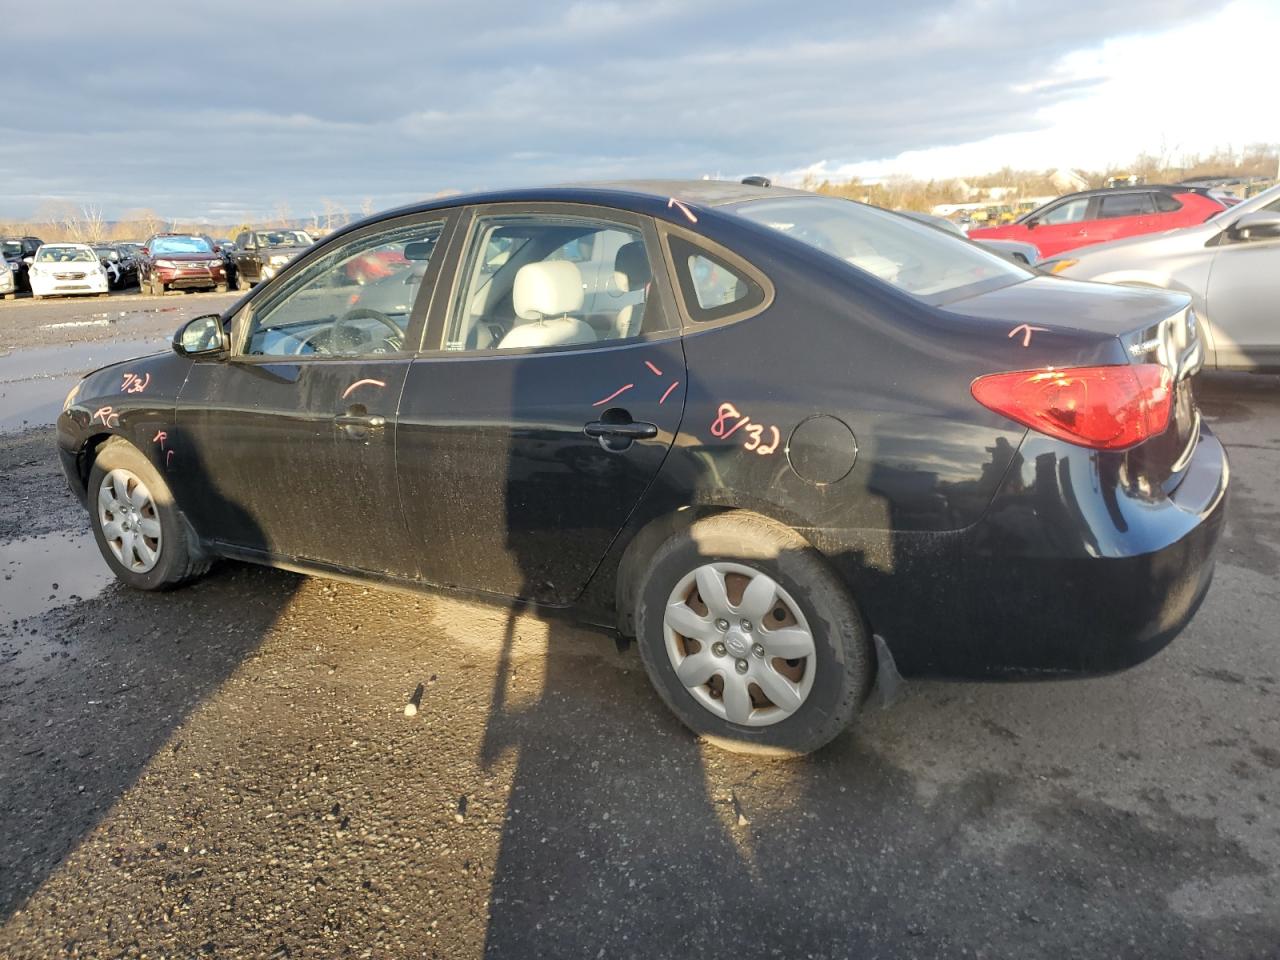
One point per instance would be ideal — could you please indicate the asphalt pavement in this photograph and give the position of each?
(230, 769)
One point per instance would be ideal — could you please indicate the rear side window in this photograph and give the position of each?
(1166, 203)
(1126, 205)
(711, 288)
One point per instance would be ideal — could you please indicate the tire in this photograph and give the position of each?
(220, 288)
(830, 685)
(177, 557)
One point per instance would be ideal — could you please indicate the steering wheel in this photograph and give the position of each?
(342, 327)
(325, 340)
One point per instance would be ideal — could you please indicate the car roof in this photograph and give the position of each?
(1169, 188)
(636, 195)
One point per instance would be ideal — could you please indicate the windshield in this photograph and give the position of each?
(285, 238)
(180, 245)
(12, 248)
(65, 255)
(1266, 200)
(109, 253)
(920, 260)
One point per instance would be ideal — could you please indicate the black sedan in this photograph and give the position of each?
(789, 443)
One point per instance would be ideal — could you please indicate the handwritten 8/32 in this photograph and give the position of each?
(729, 420)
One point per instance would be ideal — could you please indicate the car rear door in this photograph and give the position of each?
(287, 448)
(1126, 214)
(525, 442)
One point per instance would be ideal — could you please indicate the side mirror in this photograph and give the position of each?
(28, 260)
(1031, 224)
(1259, 225)
(419, 250)
(146, 251)
(202, 337)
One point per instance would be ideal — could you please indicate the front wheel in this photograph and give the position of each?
(750, 638)
(139, 531)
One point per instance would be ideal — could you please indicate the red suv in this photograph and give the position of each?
(1096, 216)
(181, 261)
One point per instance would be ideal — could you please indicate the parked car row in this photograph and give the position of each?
(166, 261)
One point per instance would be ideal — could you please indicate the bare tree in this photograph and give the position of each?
(145, 220)
(366, 207)
(280, 212)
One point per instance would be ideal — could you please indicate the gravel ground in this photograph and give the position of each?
(229, 770)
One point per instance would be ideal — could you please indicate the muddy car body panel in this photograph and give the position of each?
(830, 394)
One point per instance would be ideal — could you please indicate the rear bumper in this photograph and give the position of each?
(1064, 576)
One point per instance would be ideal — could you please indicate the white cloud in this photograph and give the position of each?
(1188, 90)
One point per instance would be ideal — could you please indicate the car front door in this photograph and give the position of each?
(1063, 226)
(527, 436)
(248, 263)
(1241, 300)
(287, 448)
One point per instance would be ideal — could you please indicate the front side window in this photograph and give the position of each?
(1166, 203)
(548, 280)
(911, 256)
(356, 300)
(1126, 205)
(1073, 211)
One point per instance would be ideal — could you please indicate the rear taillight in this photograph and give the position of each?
(1106, 408)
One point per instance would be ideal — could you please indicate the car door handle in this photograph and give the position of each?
(630, 431)
(353, 420)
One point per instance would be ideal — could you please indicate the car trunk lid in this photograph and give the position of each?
(1057, 324)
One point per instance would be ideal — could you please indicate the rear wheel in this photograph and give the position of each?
(139, 530)
(750, 638)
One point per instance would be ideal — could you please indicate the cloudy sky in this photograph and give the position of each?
(228, 110)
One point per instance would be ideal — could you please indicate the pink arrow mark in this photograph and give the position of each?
(673, 202)
(1027, 330)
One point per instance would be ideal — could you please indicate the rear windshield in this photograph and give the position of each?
(180, 245)
(921, 260)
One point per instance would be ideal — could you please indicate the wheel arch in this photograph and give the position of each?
(645, 542)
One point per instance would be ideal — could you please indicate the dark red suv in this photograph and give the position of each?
(181, 261)
(1096, 216)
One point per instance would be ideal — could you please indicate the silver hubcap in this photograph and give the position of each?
(129, 522)
(740, 644)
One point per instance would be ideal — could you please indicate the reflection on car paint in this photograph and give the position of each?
(617, 393)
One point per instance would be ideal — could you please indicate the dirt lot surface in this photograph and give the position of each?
(229, 770)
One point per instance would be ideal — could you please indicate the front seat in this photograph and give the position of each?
(543, 295)
(630, 272)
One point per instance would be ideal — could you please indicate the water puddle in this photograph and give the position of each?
(34, 382)
(38, 362)
(40, 574)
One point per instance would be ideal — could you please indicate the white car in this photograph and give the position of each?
(8, 282)
(66, 268)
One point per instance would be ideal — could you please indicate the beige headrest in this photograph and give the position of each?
(551, 288)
